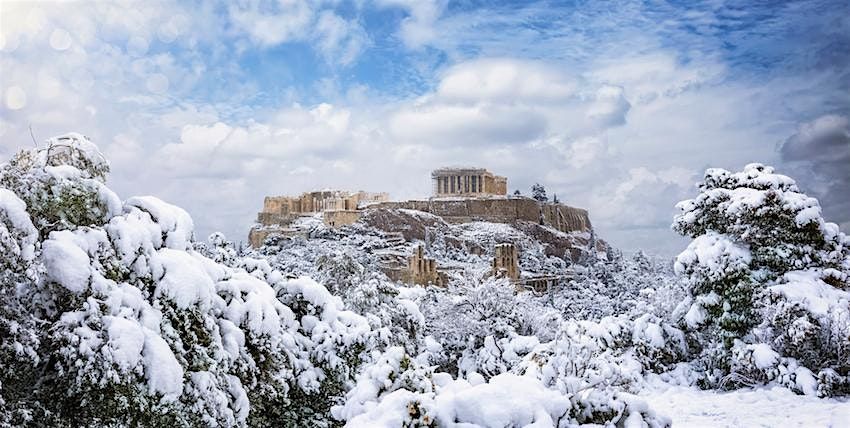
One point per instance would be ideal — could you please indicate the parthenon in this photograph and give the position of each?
(467, 182)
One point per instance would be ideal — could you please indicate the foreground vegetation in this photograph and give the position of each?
(112, 314)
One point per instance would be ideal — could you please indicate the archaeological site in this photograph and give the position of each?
(460, 196)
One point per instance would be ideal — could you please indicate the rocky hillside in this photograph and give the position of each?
(385, 237)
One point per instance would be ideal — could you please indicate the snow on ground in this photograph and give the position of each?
(761, 407)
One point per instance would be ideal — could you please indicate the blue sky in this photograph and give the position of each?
(617, 107)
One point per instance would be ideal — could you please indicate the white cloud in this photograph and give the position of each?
(641, 201)
(581, 152)
(609, 107)
(60, 39)
(507, 81)
(491, 102)
(340, 41)
(488, 125)
(418, 28)
(272, 23)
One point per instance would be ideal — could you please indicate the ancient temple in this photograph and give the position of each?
(467, 182)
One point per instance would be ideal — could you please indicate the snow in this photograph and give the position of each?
(185, 280)
(316, 294)
(808, 289)
(805, 381)
(175, 223)
(77, 150)
(65, 262)
(808, 215)
(650, 332)
(764, 356)
(507, 400)
(127, 339)
(714, 253)
(134, 233)
(413, 309)
(14, 211)
(63, 172)
(392, 411)
(696, 316)
(208, 328)
(162, 370)
(762, 407)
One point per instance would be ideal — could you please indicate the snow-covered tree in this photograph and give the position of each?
(109, 317)
(763, 266)
(538, 192)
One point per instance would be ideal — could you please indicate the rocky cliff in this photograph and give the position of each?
(500, 210)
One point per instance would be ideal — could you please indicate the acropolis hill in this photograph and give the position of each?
(460, 195)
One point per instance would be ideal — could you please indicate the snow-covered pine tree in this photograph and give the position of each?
(763, 266)
(538, 192)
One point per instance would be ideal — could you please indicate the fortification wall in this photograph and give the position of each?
(507, 210)
(340, 218)
(272, 219)
(258, 235)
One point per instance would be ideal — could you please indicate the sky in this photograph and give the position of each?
(615, 107)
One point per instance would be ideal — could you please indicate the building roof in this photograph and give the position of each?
(459, 170)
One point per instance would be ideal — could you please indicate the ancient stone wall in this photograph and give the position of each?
(258, 235)
(281, 205)
(564, 217)
(499, 210)
(500, 185)
(324, 200)
(341, 218)
(270, 219)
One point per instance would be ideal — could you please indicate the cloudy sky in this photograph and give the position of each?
(615, 107)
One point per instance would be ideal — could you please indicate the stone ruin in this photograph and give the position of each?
(467, 182)
(422, 270)
(338, 208)
(506, 265)
(506, 261)
(416, 268)
(460, 195)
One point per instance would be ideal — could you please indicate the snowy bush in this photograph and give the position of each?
(110, 317)
(764, 268)
(471, 324)
(396, 392)
(19, 328)
(391, 373)
(218, 249)
(62, 185)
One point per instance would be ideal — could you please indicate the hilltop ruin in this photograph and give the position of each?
(460, 195)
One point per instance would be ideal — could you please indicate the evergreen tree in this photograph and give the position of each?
(110, 317)
(538, 192)
(761, 253)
